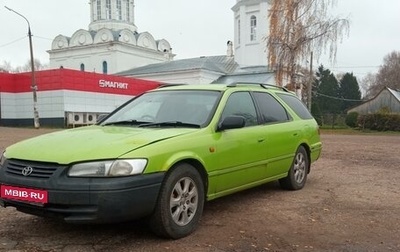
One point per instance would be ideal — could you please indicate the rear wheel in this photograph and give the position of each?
(180, 203)
(297, 175)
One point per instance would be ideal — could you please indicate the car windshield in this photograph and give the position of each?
(167, 108)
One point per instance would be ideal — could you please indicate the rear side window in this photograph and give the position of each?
(298, 107)
(271, 110)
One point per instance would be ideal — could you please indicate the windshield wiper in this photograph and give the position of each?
(170, 124)
(128, 122)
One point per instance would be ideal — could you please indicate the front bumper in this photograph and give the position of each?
(88, 200)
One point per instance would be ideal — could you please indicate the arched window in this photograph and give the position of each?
(253, 28)
(105, 67)
(119, 9)
(82, 67)
(238, 32)
(128, 11)
(98, 9)
(108, 8)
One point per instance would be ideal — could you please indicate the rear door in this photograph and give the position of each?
(280, 132)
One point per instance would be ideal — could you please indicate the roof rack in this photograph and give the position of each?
(170, 85)
(263, 85)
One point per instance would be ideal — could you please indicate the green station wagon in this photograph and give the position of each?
(162, 155)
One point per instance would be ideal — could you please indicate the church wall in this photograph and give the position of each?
(119, 57)
(125, 57)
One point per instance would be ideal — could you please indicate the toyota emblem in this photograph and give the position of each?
(27, 171)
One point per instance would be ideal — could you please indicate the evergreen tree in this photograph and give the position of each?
(349, 90)
(326, 99)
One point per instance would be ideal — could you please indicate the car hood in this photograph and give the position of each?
(89, 143)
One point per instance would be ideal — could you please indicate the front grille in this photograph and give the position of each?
(39, 169)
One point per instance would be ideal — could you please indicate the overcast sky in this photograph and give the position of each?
(196, 28)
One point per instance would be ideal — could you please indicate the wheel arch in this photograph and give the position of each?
(308, 150)
(198, 166)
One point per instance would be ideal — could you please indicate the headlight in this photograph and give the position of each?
(108, 168)
(2, 159)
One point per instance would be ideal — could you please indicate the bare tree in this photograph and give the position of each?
(27, 66)
(297, 28)
(366, 83)
(388, 75)
(6, 67)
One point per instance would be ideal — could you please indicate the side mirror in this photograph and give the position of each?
(231, 122)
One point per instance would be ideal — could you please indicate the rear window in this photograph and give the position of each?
(296, 105)
(271, 110)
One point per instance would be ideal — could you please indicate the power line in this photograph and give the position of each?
(43, 38)
(337, 98)
(354, 67)
(12, 42)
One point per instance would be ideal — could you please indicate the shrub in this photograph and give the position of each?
(351, 119)
(380, 122)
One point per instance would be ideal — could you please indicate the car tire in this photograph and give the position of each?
(180, 203)
(297, 175)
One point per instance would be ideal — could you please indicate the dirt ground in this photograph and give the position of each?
(351, 202)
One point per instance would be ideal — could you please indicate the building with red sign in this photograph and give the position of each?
(65, 97)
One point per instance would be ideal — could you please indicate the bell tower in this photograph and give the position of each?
(251, 27)
(112, 14)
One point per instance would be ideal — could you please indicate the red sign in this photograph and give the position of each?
(23, 194)
(66, 79)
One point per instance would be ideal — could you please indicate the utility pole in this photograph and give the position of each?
(33, 80)
(309, 89)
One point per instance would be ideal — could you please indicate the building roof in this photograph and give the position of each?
(255, 74)
(395, 93)
(387, 97)
(221, 64)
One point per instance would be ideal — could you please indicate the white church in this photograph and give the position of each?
(114, 45)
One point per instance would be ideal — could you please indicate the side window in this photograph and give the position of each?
(105, 67)
(253, 28)
(298, 107)
(271, 110)
(241, 104)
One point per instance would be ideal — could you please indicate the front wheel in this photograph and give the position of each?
(297, 175)
(180, 203)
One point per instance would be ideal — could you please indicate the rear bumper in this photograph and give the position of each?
(316, 150)
(93, 200)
